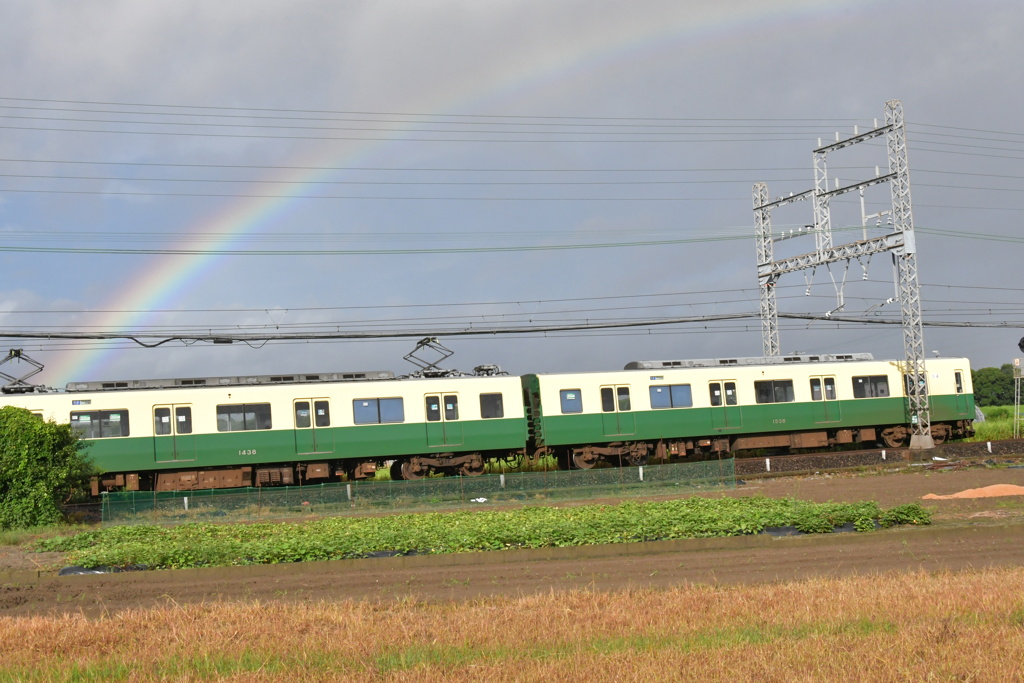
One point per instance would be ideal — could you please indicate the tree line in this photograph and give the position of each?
(993, 386)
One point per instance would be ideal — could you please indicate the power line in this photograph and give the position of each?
(485, 183)
(151, 340)
(358, 252)
(542, 141)
(365, 197)
(377, 113)
(719, 235)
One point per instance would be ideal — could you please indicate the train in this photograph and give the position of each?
(267, 430)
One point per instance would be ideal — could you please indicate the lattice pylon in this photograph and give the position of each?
(901, 243)
(766, 284)
(909, 288)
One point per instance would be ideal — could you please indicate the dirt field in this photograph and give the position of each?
(966, 533)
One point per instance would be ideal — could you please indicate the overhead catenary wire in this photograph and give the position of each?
(710, 236)
(151, 340)
(947, 141)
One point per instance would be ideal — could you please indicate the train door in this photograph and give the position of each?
(961, 397)
(824, 405)
(173, 439)
(443, 426)
(312, 418)
(725, 409)
(616, 411)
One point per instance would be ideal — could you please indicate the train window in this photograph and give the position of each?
(872, 386)
(830, 388)
(183, 415)
(100, 424)
(572, 401)
(607, 400)
(433, 408)
(322, 413)
(959, 378)
(774, 391)
(671, 396)
(491, 406)
(302, 419)
(451, 407)
(908, 384)
(392, 410)
(730, 393)
(615, 398)
(161, 421)
(715, 389)
(377, 410)
(623, 395)
(243, 417)
(682, 396)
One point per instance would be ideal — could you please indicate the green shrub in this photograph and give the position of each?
(41, 466)
(912, 513)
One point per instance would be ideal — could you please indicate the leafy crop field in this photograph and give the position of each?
(964, 626)
(206, 545)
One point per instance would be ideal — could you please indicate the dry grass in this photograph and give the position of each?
(962, 626)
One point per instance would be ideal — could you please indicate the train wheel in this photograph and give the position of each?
(583, 460)
(411, 473)
(634, 458)
(893, 438)
(396, 471)
(473, 468)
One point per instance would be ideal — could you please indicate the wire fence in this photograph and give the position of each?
(432, 493)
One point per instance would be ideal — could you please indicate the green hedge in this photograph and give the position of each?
(41, 466)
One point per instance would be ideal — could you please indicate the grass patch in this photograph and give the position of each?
(998, 424)
(912, 626)
(19, 537)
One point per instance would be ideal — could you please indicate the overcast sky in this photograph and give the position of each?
(435, 166)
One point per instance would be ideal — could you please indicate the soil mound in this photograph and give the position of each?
(984, 492)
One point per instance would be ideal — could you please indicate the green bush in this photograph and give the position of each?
(42, 465)
(911, 513)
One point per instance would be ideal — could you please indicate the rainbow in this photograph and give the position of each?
(156, 286)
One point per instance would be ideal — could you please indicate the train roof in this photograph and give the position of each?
(238, 380)
(753, 360)
(480, 371)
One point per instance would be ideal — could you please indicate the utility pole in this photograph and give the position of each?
(900, 242)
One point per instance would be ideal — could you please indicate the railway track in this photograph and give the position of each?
(941, 456)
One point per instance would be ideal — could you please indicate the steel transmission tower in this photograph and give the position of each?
(901, 242)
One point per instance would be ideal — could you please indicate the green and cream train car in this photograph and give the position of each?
(668, 409)
(225, 432)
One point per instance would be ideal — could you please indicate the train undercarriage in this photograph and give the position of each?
(621, 454)
(297, 474)
(616, 454)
